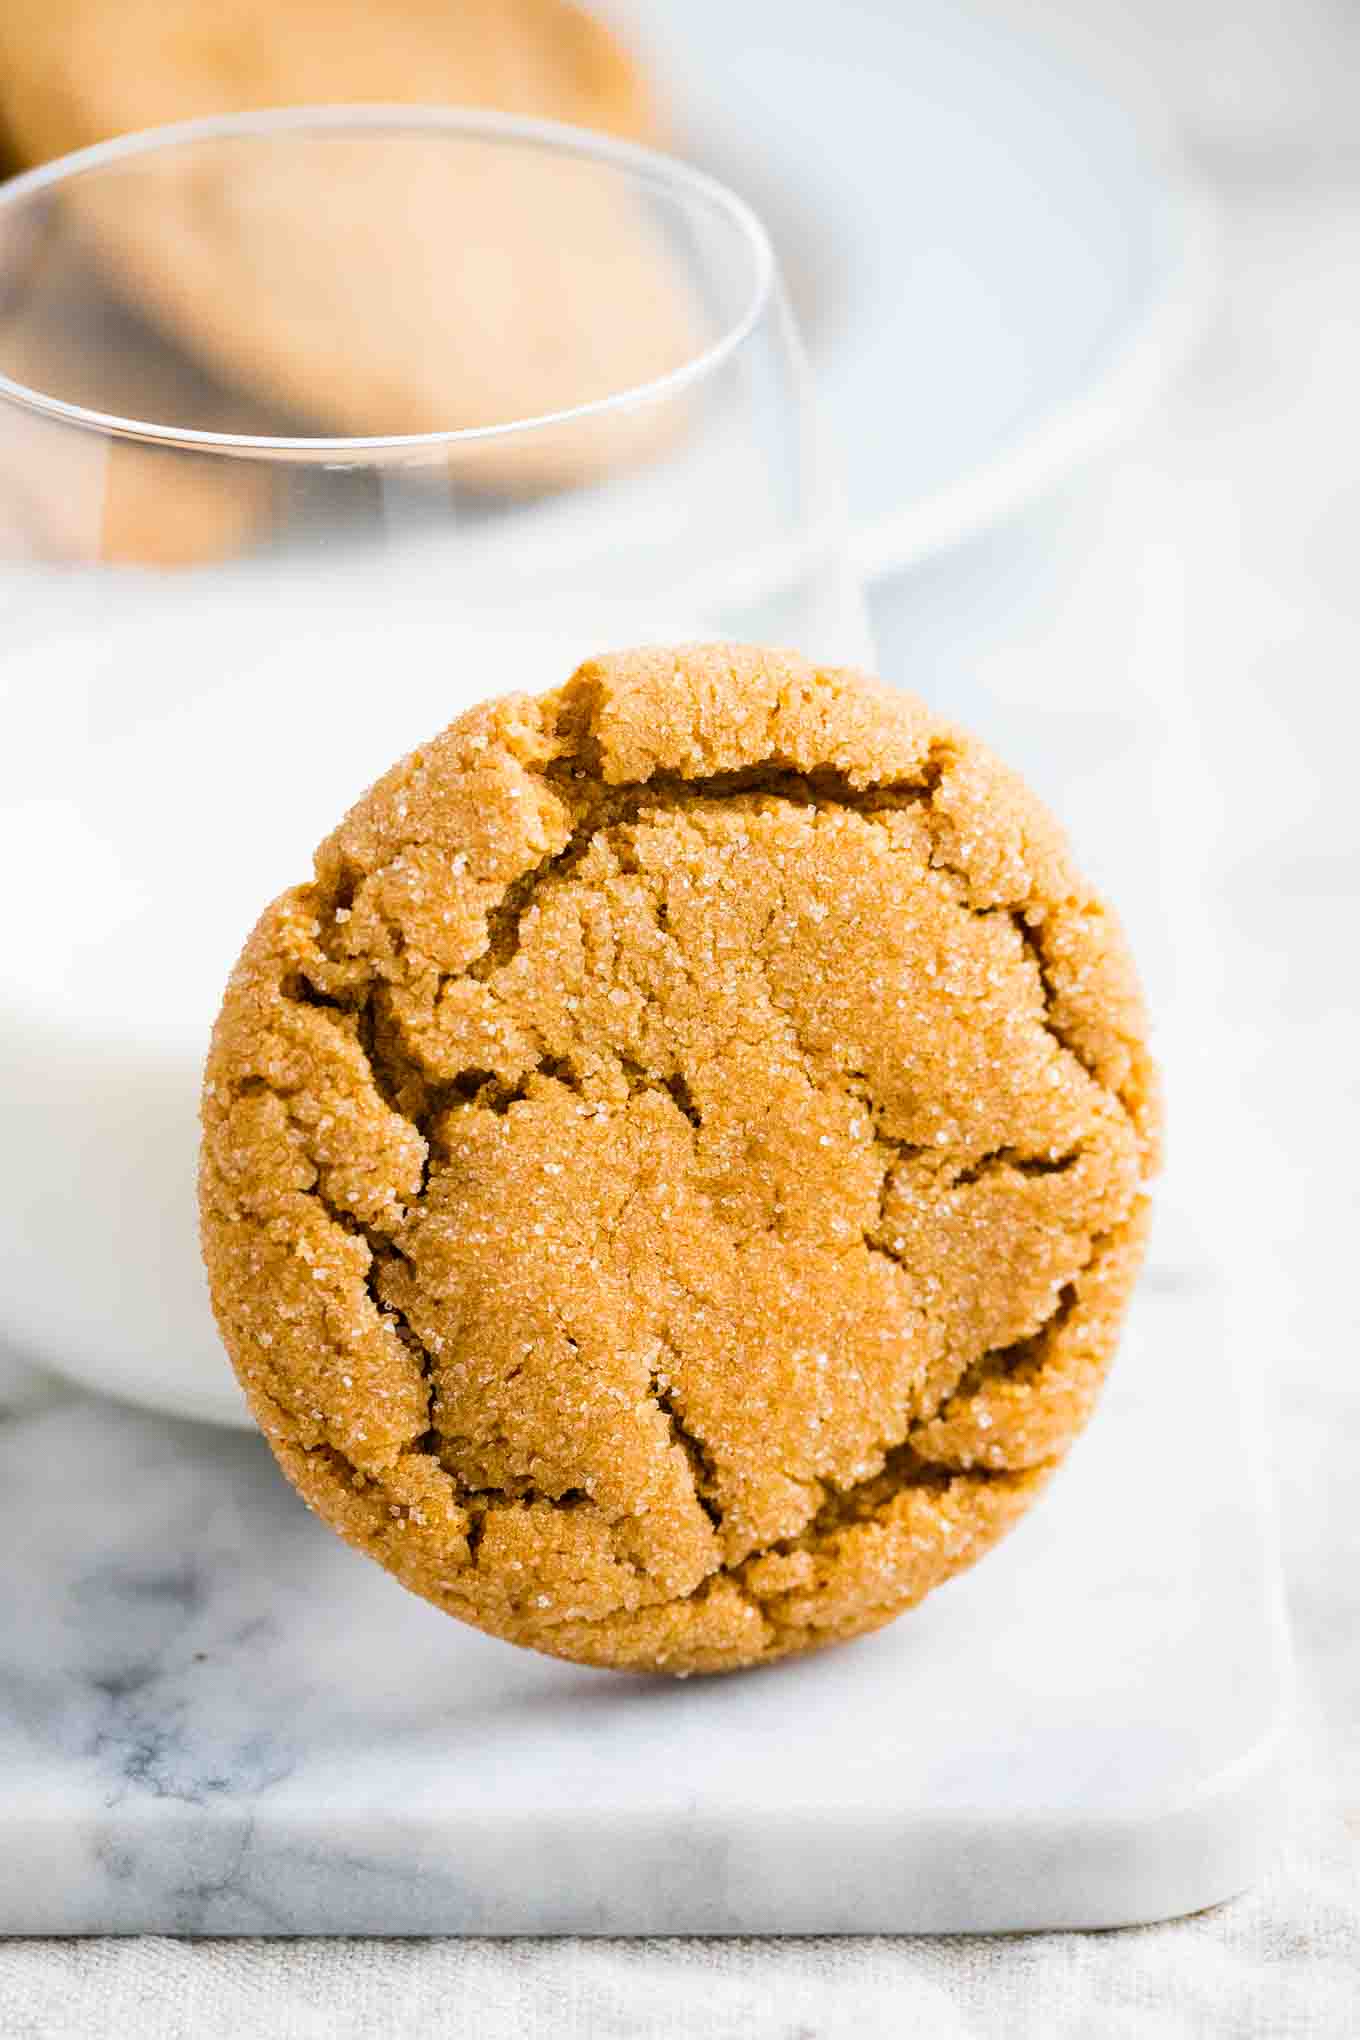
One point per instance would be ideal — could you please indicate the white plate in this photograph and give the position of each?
(997, 257)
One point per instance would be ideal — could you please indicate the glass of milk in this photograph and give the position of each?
(316, 427)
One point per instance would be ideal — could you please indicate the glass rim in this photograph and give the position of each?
(647, 166)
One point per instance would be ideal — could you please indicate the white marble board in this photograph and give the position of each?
(216, 1719)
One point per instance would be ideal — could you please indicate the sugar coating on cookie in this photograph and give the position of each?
(672, 1181)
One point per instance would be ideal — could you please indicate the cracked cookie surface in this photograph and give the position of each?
(672, 1182)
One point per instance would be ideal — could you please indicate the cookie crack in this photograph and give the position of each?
(903, 1466)
(506, 920)
(381, 1249)
(490, 1093)
(611, 808)
(1004, 1361)
(384, 1253)
(903, 1470)
(1001, 1161)
(674, 1086)
(1013, 1161)
(1033, 942)
(1017, 912)
(397, 1077)
(702, 1466)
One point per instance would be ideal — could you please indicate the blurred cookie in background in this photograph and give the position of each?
(406, 282)
(74, 72)
(69, 493)
(432, 282)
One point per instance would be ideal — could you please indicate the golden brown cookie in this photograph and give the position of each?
(672, 1181)
(74, 72)
(423, 288)
(69, 494)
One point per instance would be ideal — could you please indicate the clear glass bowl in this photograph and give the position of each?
(315, 427)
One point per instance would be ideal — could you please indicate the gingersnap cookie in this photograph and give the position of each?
(74, 72)
(672, 1180)
(417, 286)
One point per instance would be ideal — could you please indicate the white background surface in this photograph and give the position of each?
(1236, 517)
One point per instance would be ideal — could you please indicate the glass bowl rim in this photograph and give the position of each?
(646, 166)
